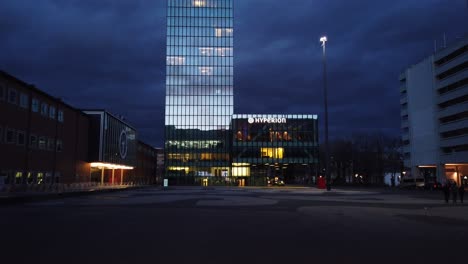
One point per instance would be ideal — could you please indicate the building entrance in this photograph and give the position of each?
(241, 182)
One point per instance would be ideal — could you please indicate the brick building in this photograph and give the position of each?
(41, 139)
(146, 163)
(46, 141)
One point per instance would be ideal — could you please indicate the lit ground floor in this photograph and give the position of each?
(85, 172)
(432, 173)
(243, 174)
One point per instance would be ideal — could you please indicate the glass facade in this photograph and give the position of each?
(274, 146)
(199, 89)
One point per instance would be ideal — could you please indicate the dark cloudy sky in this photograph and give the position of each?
(111, 54)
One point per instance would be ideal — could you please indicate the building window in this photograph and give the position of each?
(52, 112)
(40, 178)
(48, 177)
(30, 178)
(33, 141)
(24, 98)
(60, 116)
(59, 145)
(12, 96)
(50, 144)
(9, 136)
(275, 153)
(20, 138)
(44, 109)
(35, 105)
(175, 60)
(42, 143)
(18, 177)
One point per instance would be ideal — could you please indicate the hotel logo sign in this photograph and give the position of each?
(266, 120)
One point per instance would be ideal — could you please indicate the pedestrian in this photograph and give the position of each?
(461, 192)
(446, 190)
(454, 192)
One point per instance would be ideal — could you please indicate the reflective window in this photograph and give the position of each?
(52, 112)
(199, 93)
(24, 100)
(35, 105)
(44, 109)
(60, 116)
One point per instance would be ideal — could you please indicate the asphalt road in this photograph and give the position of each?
(234, 225)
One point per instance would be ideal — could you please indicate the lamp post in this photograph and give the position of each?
(325, 95)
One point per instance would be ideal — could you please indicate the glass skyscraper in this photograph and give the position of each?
(199, 89)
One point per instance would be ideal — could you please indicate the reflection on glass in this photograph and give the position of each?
(206, 70)
(175, 60)
(199, 92)
(199, 3)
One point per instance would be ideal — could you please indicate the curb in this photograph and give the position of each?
(15, 200)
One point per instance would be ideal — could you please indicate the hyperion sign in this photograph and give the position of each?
(266, 120)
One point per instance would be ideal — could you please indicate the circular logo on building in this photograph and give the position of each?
(251, 120)
(123, 144)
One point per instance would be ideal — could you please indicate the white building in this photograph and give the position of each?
(434, 115)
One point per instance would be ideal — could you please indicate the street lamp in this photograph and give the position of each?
(325, 95)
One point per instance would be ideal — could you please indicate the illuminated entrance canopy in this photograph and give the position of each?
(103, 165)
(267, 120)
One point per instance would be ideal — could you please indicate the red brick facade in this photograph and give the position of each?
(42, 139)
(45, 141)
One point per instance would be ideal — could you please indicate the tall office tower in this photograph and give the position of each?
(199, 89)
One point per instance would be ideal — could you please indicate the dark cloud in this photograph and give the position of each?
(111, 54)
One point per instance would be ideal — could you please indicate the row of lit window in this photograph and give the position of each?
(196, 80)
(181, 31)
(201, 90)
(199, 42)
(203, 128)
(197, 112)
(223, 65)
(206, 57)
(184, 55)
(18, 137)
(199, 122)
(188, 157)
(274, 153)
(194, 70)
(201, 3)
(191, 55)
(199, 12)
(200, 22)
(195, 144)
(22, 99)
(221, 100)
(20, 177)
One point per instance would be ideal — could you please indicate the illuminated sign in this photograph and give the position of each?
(123, 144)
(266, 120)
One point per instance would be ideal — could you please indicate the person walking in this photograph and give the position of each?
(461, 192)
(454, 192)
(446, 190)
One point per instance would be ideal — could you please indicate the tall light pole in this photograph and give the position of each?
(325, 95)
